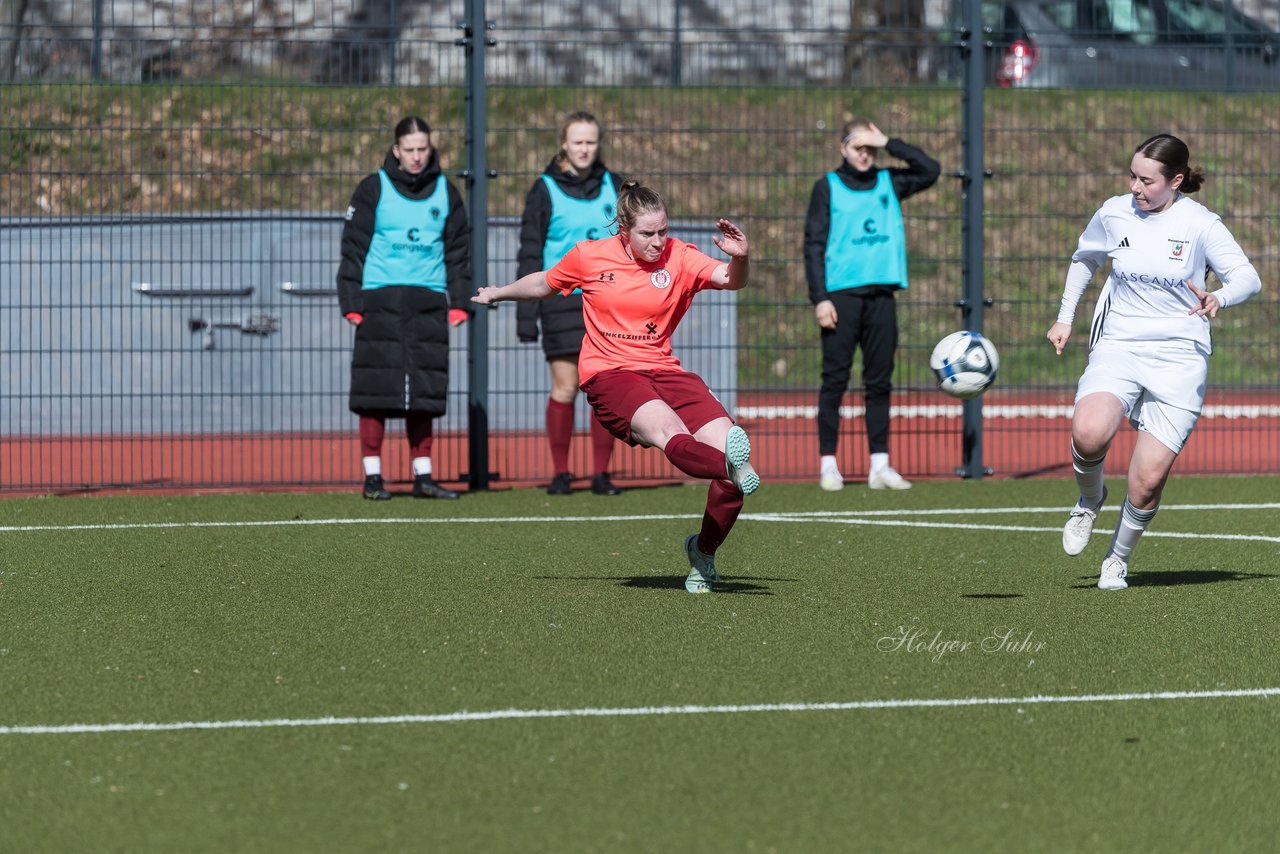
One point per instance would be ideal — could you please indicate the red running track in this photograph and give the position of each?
(1025, 435)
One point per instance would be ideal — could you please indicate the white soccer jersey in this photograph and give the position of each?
(1153, 255)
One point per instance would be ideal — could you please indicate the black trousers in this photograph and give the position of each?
(865, 318)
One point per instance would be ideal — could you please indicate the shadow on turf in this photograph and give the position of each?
(672, 582)
(1174, 578)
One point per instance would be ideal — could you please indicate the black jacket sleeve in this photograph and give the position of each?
(817, 225)
(921, 172)
(534, 223)
(357, 234)
(457, 253)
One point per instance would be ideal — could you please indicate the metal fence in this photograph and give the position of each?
(174, 176)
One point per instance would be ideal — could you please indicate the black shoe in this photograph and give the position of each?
(374, 490)
(425, 487)
(560, 484)
(601, 485)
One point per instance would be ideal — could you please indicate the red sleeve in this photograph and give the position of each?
(567, 273)
(699, 266)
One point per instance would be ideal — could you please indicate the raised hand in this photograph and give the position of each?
(872, 137)
(734, 241)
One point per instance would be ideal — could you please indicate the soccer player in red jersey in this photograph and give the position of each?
(636, 286)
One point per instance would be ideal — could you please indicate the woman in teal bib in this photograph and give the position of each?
(574, 199)
(406, 258)
(855, 260)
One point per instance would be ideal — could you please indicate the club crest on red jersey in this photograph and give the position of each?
(660, 279)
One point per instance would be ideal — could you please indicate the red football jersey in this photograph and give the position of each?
(631, 309)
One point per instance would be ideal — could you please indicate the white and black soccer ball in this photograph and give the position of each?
(965, 364)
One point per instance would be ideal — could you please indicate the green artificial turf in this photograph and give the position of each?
(515, 602)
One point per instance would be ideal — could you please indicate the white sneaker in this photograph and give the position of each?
(887, 478)
(1079, 527)
(1114, 572)
(830, 479)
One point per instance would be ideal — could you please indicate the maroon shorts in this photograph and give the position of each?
(616, 395)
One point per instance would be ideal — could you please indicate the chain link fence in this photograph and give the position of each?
(175, 175)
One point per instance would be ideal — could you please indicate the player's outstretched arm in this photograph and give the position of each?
(530, 287)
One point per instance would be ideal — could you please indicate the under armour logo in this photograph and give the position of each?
(606, 277)
(1124, 244)
(651, 327)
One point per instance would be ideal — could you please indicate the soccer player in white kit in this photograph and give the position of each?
(1149, 340)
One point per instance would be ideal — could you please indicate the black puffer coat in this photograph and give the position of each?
(559, 316)
(400, 362)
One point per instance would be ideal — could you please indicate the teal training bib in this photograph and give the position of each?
(408, 239)
(866, 244)
(574, 220)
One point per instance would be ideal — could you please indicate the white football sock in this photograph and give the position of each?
(372, 465)
(879, 462)
(1132, 523)
(1089, 477)
(421, 466)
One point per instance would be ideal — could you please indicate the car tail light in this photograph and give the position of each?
(1019, 58)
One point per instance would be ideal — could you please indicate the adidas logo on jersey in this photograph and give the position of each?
(1124, 243)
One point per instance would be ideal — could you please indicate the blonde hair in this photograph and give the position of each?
(856, 123)
(635, 200)
(580, 117)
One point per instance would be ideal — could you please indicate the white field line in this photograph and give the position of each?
(855, 517)
(960, 526)
(635, 711)
(997, 410)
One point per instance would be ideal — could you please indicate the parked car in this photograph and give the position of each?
(1173, 44)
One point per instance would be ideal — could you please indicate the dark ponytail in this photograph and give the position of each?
(1173, 155)
(411, 124)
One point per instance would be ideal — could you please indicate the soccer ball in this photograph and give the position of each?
(965, 364)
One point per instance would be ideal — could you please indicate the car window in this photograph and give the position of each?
(1209, 22)
(1196, 17)
(1130, 20)
(1063, 13)
(998, 17)
(993, 15)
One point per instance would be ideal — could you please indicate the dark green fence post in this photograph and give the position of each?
(975, 44)
(477, 174)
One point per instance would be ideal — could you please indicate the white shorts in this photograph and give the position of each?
(1159, 384)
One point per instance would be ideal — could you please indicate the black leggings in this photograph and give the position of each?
(868, 320)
